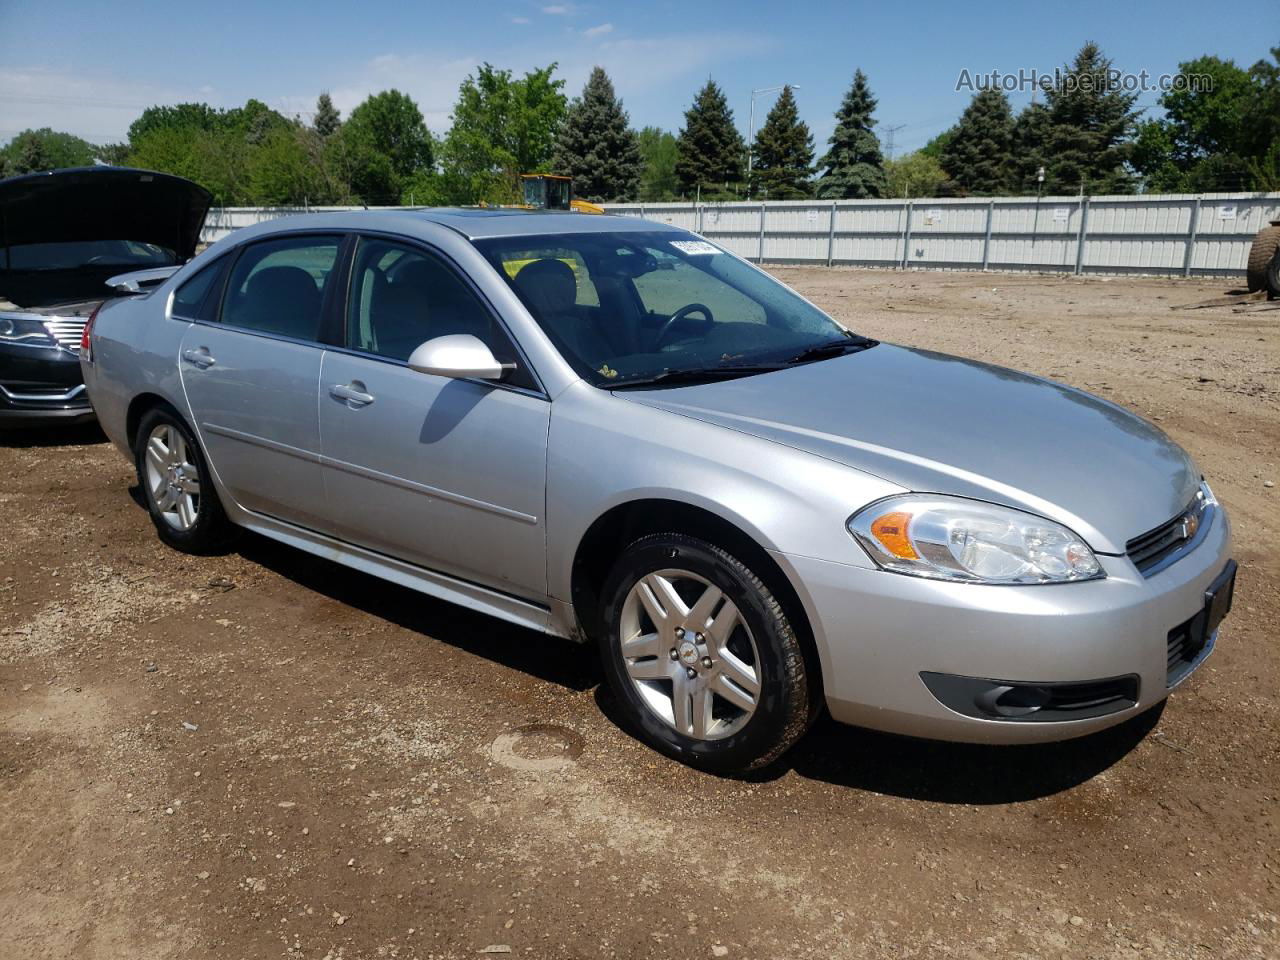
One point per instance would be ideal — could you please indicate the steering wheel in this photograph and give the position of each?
(679, 315)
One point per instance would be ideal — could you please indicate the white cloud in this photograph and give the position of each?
(599, 31)
(520, 20)
(431, 80)
(557, 10)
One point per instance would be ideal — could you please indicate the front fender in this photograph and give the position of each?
(604, 451)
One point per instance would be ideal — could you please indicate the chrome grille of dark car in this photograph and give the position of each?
(1156, 548)
(66, 330)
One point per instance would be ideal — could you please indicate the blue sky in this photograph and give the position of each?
(90, 67)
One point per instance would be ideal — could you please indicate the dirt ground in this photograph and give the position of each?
(267, 755)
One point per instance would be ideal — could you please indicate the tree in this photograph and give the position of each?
(1212, 135)
(710, 150)
(978, 156)
(327, 119)
(854, 166)
(33, 151)
(916, 175)
(782, 156)
(1030, 147)
(502, 127)
(596, 146)
(1092, 120)
(658, 152)
(938, 144)
(384, 141)
(283, 172)
(199, 116)
(217, 160)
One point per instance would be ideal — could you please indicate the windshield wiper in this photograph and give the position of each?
(696, 375)
(851, 343)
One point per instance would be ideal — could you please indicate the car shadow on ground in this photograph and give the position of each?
(959, 772)
(936, 771)
(551, 659)
(84, 435)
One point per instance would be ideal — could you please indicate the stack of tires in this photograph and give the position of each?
(1264, 261)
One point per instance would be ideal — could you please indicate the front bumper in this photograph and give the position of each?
(41, 385)
(878, 632)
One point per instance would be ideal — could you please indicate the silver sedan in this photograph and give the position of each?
(615, 431)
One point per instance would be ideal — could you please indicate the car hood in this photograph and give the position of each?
(93, 203)
(941, 424)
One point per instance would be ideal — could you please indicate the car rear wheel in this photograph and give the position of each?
(702, 656)
(175, 481)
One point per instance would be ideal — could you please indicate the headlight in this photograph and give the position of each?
(33, 332)
(950, 538)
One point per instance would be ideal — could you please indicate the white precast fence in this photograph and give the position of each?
(224, 220)
(1179, 234)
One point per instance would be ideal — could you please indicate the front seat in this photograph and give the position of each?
(550, 291)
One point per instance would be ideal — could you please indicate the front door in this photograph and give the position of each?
(251, 377)
(446, 474)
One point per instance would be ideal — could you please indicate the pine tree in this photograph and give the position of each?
(1092, 119)
(595, 145)
(854, 166)
(711, 151)
(978, 155)
(327, 118)
(782, 155)
(1030, 147)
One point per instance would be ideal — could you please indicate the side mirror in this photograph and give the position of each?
(460, 356)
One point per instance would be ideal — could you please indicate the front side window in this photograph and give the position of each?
(277, 286)
(402, 296)
(633, 306)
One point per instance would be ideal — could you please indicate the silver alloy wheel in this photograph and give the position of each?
(689, 654)
(172, 479)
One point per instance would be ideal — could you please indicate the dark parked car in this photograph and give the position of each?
(63, 235)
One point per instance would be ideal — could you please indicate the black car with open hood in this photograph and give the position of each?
(63, 234)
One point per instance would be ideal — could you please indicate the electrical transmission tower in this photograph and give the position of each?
(888, 140)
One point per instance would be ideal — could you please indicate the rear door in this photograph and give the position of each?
(251, 376)
(445, 474)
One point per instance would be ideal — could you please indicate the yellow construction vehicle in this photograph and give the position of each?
(548, 191)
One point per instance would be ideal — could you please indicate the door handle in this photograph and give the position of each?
(353, 393)
(199, 358)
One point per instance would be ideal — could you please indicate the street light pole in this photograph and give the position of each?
(751, 124)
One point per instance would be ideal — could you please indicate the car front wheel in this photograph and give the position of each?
(702, 655)
(175, 481)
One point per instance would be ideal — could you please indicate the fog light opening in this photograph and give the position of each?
(1010, 701)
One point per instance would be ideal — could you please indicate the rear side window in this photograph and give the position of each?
(277, 286)
(191, 296)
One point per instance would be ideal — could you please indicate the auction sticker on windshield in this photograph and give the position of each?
(695, 247)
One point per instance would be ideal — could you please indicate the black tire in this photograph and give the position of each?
(1262, 257)
(211, 532)
(1273, 278)
(783, 709)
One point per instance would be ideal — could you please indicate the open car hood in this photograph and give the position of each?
(93, 204)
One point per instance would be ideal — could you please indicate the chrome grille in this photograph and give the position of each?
(67, 331)
(1156, 549)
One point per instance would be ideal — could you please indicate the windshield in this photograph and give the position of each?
(635, 306)
(67, 255)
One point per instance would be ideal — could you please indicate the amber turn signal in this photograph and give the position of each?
(891, 530)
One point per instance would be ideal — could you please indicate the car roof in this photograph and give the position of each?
(474, 223)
